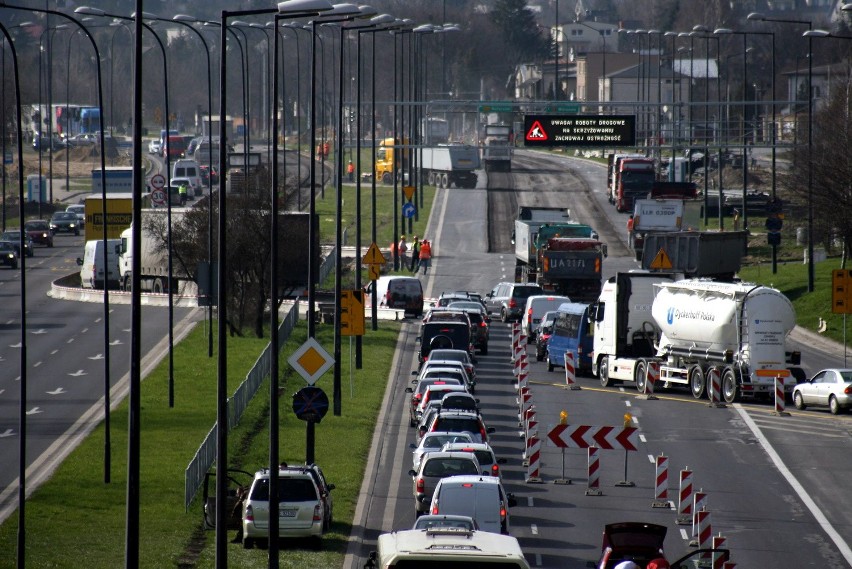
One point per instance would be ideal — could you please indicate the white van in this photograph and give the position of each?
(405, 293)
(185, 168)
(480, 497)
(92, 265)
(535, 309)
(446, 548)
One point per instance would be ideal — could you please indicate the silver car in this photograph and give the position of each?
(433, 442)
(830, 388)
(300, 507)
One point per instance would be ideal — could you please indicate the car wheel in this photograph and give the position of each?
(248, 543)
(484, 350)
(603, 371)
(503, 316)
(50, 243)
(833, 405)
(640, 375)
(729, 385)
(14, 265)
(30, 253)
(799, 401)
(697, 381)
(316, 542)
(550, 366)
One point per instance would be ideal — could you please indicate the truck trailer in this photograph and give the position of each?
(694, 328)
(632, 179)
(448, 165)
(497, 148)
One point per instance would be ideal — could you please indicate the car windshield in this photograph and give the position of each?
(289, 490)
(61, 216)
(6, 246)
(428, 522)
(458, 424)
(438, 441)
(449, 467)
(37, 226)
(448, 355)
(12, 236)
(465, 305)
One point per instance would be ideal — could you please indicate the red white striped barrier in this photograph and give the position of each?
(516, 331)
(779, 396)
(729, 565)
(714, 388)
(651, 377)
(719, 558)
(520, 359)
(684, 508)
(661, 488)
(705, 531)
(699, 503)
(534, 457)
(593, 488)
(530, 422)
(522, 380)
(525, 401)
(570, 371)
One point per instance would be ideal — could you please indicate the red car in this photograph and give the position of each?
(39, 231)
(642, 543)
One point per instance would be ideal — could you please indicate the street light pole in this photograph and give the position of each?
(757, 16)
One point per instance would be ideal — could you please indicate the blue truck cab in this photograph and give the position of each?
(571, 332)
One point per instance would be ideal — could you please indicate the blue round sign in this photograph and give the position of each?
(310, 404)
(408, 210)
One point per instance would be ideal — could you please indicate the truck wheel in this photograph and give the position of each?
(127, 285)
(431, 178)
(386, 179)
(729, 385)
(445, 181)
(603, 371)
(697, 381)
(640, 375)
(158, 286)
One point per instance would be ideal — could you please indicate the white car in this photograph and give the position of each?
(155, 147)
(433, 442)
(79, 210)
(830, 388)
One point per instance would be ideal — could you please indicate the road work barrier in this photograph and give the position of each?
(571, 372)
(661, 486)
(684, 508)
(593, 488)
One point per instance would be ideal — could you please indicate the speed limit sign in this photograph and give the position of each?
(158, 182)
(158, 197)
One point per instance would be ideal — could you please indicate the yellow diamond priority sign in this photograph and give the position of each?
(311, 361)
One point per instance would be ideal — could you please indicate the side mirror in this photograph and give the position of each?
(502, 460)
(79, 261)
(409, 390)
(490, 430)
(415, 372)
(412, 446)
(510, 499)
(412, 472)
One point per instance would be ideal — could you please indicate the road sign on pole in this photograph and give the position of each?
(158, 197)
(408, 210)
(311, 361)
(158, 181)
(352, 312)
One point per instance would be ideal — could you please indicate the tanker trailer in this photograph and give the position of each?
(738, 330)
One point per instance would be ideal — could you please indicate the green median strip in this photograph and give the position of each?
(75, 520)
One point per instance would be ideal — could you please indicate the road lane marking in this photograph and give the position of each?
(529, 501)
(538, 559)
(54, 352)
(838, 540)
(534, 529)
(651, 459)
(642, 438)
(36, 364)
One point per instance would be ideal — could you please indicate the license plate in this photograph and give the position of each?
(287, 513)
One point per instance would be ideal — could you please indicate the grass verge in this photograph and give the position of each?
(75, 520)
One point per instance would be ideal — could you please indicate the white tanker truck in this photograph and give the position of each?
(691, 327)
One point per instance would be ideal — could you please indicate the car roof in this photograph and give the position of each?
(445, 454)
(473, 446)
(469, 478)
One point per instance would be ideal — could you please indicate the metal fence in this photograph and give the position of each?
(205, 456)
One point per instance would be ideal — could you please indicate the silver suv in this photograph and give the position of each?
(508, 299)
(301, 508)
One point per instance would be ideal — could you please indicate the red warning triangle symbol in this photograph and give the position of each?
(536, 132)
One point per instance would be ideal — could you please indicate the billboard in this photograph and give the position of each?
(579, 130)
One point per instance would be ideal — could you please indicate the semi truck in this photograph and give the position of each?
(497, 148)
(632, 179)
(694, 328)
(448, 165)
(435, 130)
(669, 207)
(564, 257)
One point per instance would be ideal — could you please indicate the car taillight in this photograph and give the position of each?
(495, 470)
(502, 512)
(249, 514)
(483, 325)
(848, 390)
(435, 510)
(317, 513)
(512, 303)
(421, 487)
(483, 434)
(579, 350)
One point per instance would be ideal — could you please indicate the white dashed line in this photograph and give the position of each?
(534, 529)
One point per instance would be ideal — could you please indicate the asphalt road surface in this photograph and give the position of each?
(775, 485)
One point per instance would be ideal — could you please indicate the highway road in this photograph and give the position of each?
(65, 346)
(775, 485)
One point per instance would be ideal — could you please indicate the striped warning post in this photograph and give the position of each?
(651, 377)
(516, 331)
(729, 565)
(522, 380)
(661, 489)
(529, 422)
(714, 388)
(705, 531)
(534, 458)
(524, 402)
(593, 488)
(779, 397)
(699, 502)
(520, 359)
(684, 508)
(719, 558)
(571, 371)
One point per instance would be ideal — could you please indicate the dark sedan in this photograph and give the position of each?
(39, 231)
(8, 255)
(14, 237)
(65, 222)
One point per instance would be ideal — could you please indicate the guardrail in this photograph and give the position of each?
(205, 456)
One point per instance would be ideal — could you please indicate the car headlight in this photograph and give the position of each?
(71, 225)
(44, 235)
(10, 255)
